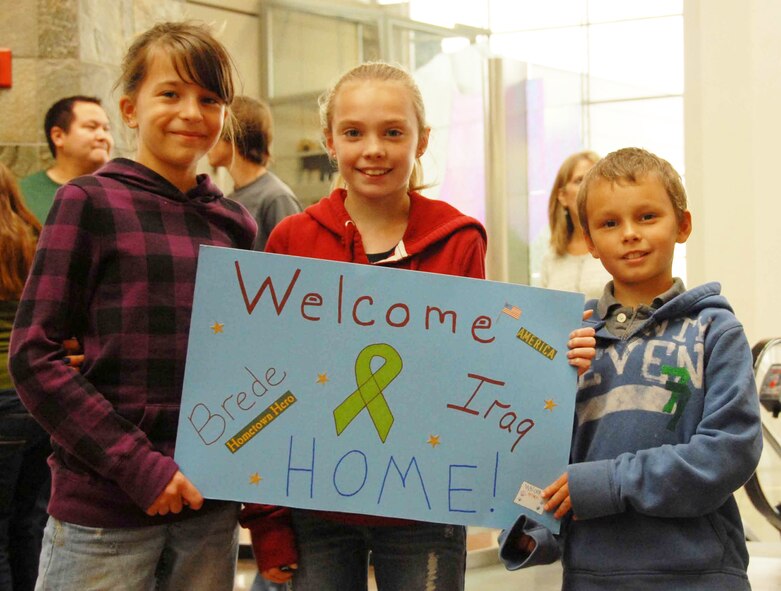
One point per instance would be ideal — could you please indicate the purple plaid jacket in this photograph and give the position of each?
(115, 267)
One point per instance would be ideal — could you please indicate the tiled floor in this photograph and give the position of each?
(484, 573)
(764, 573)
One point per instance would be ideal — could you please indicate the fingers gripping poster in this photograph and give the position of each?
(360, 389)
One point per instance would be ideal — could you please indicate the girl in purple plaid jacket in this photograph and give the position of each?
(116, 268)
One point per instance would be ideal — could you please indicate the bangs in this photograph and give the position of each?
(203, 64)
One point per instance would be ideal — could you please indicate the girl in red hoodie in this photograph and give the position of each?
(374, 125)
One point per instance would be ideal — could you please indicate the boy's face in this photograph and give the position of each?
(633, 231)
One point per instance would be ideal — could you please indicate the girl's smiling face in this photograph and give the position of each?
(178, 121)
(374, 138)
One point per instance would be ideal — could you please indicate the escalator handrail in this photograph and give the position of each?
(769, 438)
(757, 497)
(753, 488)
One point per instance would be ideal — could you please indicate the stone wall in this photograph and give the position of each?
(62, 48)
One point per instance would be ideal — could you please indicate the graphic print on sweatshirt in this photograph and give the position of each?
(656, 370)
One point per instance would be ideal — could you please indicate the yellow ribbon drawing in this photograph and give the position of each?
(369, 394)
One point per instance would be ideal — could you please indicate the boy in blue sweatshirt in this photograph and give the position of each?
(667, 421)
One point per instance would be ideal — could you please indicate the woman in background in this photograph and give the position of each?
(568, 265)
(24, 445)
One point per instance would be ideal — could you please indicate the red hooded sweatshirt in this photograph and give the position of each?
(438, 239)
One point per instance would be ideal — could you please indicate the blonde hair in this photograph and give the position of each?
(18, 236)
(383, 72)
(559, 219)
(631, 166)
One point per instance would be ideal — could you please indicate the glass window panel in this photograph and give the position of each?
(518, 15)
(625, 60)
(452, 90)
(554, 132)
(300, 38)
(613, 10)
(446, 13)
(656, 125)
(423, 47)
(562, 88)
(563, 49)
(551, 131)
(636, 58)
(295, 121)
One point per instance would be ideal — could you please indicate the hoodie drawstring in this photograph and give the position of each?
(348, 240)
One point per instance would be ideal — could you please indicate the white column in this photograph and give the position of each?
(733, 148)
(496, 174)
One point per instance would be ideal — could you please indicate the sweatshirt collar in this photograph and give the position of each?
(136, 175)
(608, 305)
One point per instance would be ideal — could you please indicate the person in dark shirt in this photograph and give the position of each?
(246, 153)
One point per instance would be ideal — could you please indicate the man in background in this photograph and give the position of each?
(246, 155)
(79, 137)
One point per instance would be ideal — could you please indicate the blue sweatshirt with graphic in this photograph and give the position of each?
(667, 427)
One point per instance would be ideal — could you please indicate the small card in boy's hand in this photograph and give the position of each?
(530, 496)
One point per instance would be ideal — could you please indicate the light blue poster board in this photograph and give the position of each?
(361, 389)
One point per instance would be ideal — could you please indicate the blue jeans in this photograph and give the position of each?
(196, 554)
(24, 486)
(416, 557)
(261, 584)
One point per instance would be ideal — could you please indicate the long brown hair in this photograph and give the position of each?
(561, 224)
(18, 235)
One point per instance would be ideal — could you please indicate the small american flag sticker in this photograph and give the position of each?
(512, 311)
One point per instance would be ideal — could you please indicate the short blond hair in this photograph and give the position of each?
(632, 165)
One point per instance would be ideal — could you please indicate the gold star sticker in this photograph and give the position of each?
(322, 378)
(433, 440)
(217, 327)
(549, 404)
(255, 479)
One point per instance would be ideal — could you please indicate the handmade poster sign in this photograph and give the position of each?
(361, 389)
